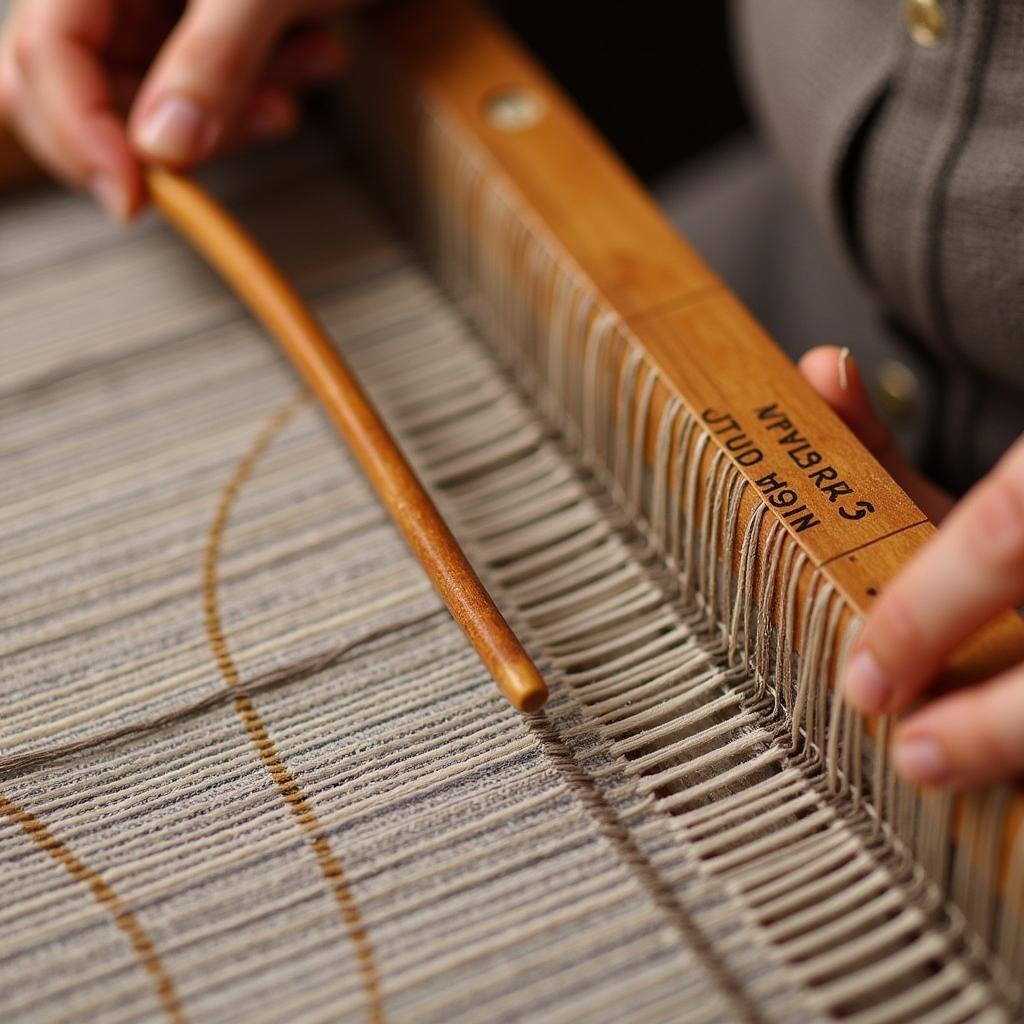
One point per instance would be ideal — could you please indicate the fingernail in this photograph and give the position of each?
(173, 130)
(866, 686)
(111, 196)
(921, 760)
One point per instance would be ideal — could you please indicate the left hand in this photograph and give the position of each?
(970, 572)
(195, 77)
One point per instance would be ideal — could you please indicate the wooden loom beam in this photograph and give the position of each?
(707, 349)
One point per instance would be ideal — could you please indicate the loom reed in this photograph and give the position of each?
(784, 628)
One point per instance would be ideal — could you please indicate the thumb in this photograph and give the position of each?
(836, 378)
(202, 77)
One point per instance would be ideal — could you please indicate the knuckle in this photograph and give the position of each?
(214, 57)
(990, 742)
(897, 629)
(6, 81)
(26, 46)
(996, 531)
(8, 63)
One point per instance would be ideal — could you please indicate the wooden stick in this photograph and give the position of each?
(227, 247)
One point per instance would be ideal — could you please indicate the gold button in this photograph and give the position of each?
(896, 390)
(926, 21)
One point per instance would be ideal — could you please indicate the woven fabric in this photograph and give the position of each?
(362, 829)
(251, 770)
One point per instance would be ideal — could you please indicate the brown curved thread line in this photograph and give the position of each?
(298, 803)
(105, 895)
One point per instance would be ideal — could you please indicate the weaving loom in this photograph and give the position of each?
(251, 770)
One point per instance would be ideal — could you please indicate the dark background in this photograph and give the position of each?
(656, 78)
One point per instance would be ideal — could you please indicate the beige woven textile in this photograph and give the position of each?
(251, 770)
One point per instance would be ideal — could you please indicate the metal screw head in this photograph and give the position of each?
(514, 110)
(896, 391)
(926, 21)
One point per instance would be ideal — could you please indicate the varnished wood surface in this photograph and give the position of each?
(708, 350)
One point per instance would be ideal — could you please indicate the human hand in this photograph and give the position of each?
(194, 78)
(970, 572)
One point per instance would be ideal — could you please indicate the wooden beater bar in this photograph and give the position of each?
(708, 351)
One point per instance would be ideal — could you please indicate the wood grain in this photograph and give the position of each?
(708, 350)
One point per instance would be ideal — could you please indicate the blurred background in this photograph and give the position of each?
(661, 82)
(657, 79)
